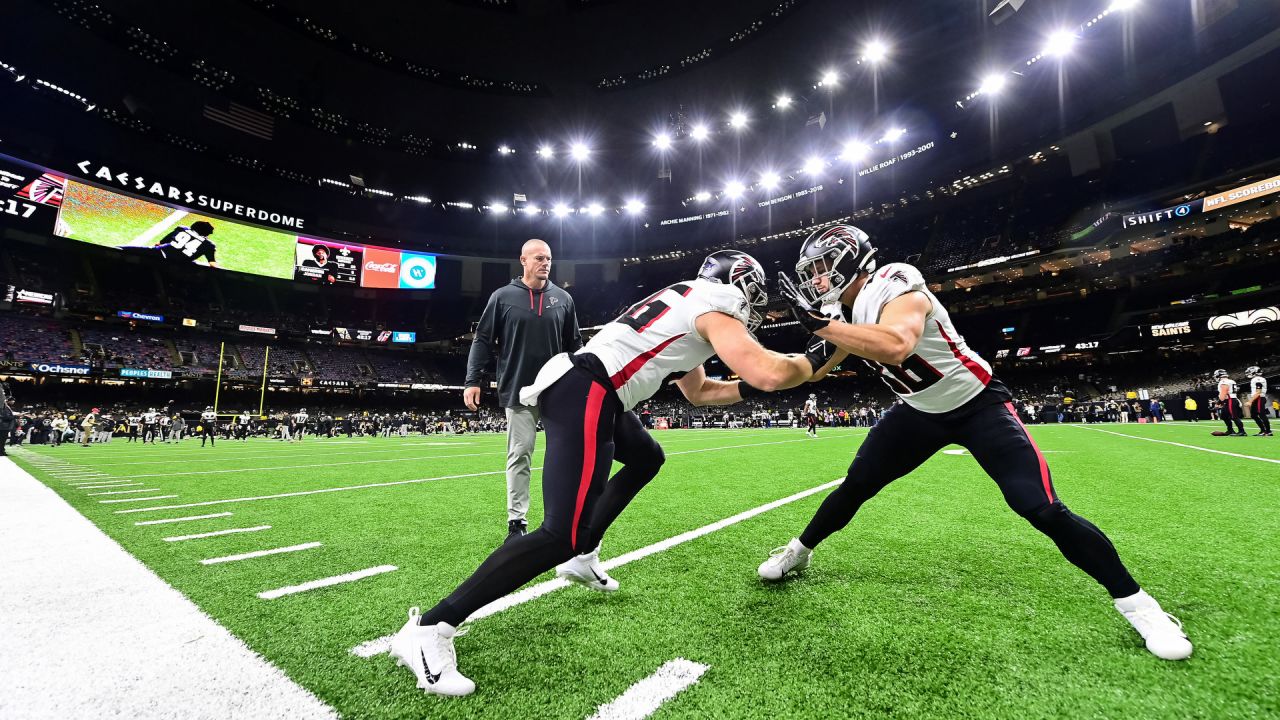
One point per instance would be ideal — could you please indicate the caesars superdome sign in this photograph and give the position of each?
(194, 200)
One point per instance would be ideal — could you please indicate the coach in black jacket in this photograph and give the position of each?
(525, 324)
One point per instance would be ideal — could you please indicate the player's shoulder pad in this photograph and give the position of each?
(719, 298)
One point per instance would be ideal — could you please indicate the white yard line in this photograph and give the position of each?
(150, 654)
(156, 497)
(95, 486)
(1182, 445)
(189, 518)
(326, 582)
(216, 533)
(413, 481)
(124, 492)
(646, 696)
(421, 458)
(260, 553)
(383, 644)
(146, 237)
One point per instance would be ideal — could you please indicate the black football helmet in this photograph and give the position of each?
(736, 268)
(845, 251)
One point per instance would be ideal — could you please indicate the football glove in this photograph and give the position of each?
(819, 352)
(809, 317)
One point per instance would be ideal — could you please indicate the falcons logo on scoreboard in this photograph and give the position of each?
(47, 190)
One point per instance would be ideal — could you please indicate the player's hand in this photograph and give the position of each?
(819, 352)
(809, 317)
(471, 398)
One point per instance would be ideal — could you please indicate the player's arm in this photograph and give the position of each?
(891, 340)
(701, 390)
(758, 367)
(1222, 392)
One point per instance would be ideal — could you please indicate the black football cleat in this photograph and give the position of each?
(515, 529)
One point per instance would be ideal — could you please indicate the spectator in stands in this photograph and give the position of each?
(524, 325)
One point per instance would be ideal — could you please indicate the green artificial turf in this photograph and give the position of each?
(937, 601)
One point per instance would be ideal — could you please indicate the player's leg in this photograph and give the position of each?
(578, 415)
(522, 426)
(997, 439)
(1237, 416)
(902, 440)
(641, 457)
(1258, 410)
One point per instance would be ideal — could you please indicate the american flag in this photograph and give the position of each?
(246, 120)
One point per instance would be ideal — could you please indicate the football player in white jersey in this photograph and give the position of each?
(1258, 405)
(811, 415)
(149, 427)
(948, 396)
(300, 424)
(208, 425)
(1229, 403)
(585, 400)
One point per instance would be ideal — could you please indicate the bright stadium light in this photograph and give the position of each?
(546, 151)
(814, 165)
(1059, 43)
(505, 150)
(699, 132)
(531, 209)
(875, 51)
(769, 179)
(892, 134)
(497, 207)
(734, 189)
(701, 196)
(560, 210)
(829, 78)
(594, 209)
(783, 102)
(634, 206)
(855, 151)
(1122, 5)
(579, 151)
(992, 84)
(738, 120)
(662, 141)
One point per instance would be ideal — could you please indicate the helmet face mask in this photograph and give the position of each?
(732, 267)
(839, 253)
(1219, 374)
(1253, 370)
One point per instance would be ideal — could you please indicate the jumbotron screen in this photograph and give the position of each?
(80, 211)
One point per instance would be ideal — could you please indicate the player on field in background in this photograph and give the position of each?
(811, 415)
(525, 323)
(149, 426)
(179, 427)
(586, 400)
(300, 424)
(86, 427)
(1230, 403)
(1258, 405)
(948, 394)
(165, 424)
(208, 425)
(242, 423)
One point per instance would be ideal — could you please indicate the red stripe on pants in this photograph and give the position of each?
(1044, 466)
(590, 421)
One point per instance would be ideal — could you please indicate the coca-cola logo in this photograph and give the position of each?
(380, 267)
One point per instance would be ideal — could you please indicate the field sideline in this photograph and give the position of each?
(936, 602)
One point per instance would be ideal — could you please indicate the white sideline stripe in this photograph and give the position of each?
(151, 653)
(125, 492)
(326, 582)
(260, 553)
(412, 481)
(146, 236)
(216, 533)
(96, 485)
(646, 696)
(416, 458)
(183, 519)
(383, 644)
(1183, 445)
(155, 497)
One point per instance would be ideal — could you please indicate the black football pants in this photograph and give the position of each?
(586, 430)
(207, 433)
(1231, 414)
(1259, 410)
(992, 432)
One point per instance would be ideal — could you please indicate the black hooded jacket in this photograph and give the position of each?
(523, 328)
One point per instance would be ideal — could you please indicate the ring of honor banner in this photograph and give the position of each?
(38, 199)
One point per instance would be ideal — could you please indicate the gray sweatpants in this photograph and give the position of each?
(522, 425)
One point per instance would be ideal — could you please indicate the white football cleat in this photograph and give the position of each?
(585, 570)
(790, 557)
(1162, 631)
(427, 650)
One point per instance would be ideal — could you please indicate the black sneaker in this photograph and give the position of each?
(515, 529)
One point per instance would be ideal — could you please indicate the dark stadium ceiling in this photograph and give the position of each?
(421, 97)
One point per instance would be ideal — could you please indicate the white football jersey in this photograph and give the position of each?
(652, 340)
(149, 418)
(811, 407)
(300, 418)
(1258, 384)
(209, 416)
(244, 418)
(1229, 384)
(942, 373)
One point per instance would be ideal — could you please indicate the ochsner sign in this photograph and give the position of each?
(59, 369)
